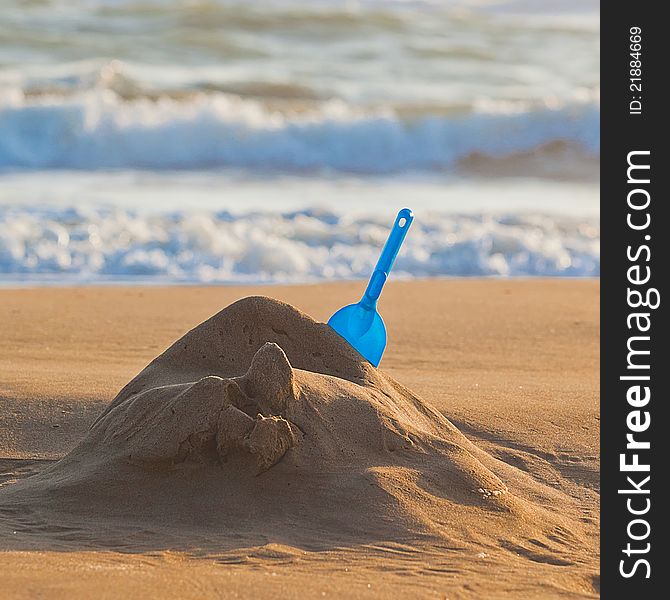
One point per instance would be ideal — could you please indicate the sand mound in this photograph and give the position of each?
(262, 425)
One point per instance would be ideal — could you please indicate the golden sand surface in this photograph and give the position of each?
(465, 467)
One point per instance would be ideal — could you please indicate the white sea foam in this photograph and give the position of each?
(96, 129)
(96, 245)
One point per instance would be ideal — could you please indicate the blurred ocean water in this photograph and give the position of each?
(157, 112)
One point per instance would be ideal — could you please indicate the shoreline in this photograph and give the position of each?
(14, 286)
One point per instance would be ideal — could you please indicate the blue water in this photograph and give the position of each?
(171, 141)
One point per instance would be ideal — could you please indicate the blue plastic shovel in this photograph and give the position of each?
(360, 324)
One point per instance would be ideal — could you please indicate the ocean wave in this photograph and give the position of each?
(93, 245)
(97, 129)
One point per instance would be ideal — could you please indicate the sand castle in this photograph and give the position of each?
(325, 404)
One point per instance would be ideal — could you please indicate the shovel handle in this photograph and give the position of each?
(388, 256)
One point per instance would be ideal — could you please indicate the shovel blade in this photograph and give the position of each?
(363, 328)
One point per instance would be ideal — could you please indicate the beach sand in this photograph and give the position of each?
(389, 499)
